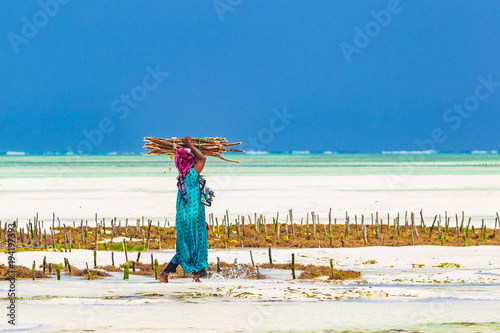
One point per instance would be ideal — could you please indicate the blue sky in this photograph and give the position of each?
(274, 74)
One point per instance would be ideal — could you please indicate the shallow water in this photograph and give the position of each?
(391, 295)
(269, 164)
(141, 304)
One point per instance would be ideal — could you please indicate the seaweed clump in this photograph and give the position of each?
(94, 273)
(313, 271)
(21, 272)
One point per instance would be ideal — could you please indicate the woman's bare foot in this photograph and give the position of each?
(196, 278)
(163, 277)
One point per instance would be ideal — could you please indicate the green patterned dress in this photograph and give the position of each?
(191, 245)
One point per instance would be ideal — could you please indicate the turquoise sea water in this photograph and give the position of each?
(266, 164)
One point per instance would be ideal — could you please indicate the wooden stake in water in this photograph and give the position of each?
(5, 233)
(406, 220)
(149, 229)
(330, 222)
(498, 219)
(270, 255)
(277, 220)
(237, 229)
(483, 232)
(70, 240)
(58, 271)
(88, 271)
(495, 228)
(95, 258)
(218, 265)
(414, 224)
(331, 268)
(286, 228)
(313, 216)
(362, 226)
(397, 244)
(432, 226)
(159, 241)
(125, 249)
(251, 258)
(422, 223)
(462, 224)
(112, 258)
(265, 227)
(243, 226)
(293, 266)
(33, 270)
(156, 269)
(65, 239)
(81, 231)
(126, 268)
(113, 229)
(36, 233)
(44, 263)
(365, 235)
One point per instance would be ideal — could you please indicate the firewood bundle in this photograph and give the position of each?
(208, 146)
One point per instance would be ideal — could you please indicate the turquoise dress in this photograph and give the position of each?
(191, 244)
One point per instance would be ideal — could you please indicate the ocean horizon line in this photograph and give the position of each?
(263, 152)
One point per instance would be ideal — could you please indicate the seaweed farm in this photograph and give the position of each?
(412, 274)
(255, 232)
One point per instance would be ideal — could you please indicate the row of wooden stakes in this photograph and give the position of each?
(32, 235)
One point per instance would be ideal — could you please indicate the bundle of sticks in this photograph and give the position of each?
(210, 146)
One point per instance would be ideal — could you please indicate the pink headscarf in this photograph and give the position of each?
(184, 161)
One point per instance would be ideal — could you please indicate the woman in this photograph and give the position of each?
(191, 245)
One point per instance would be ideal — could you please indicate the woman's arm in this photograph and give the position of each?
(200, 158)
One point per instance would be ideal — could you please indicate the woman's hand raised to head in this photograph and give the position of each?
(187, 141)
(200, 158)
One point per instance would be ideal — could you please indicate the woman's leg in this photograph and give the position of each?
(200, 274)
(171, 268)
